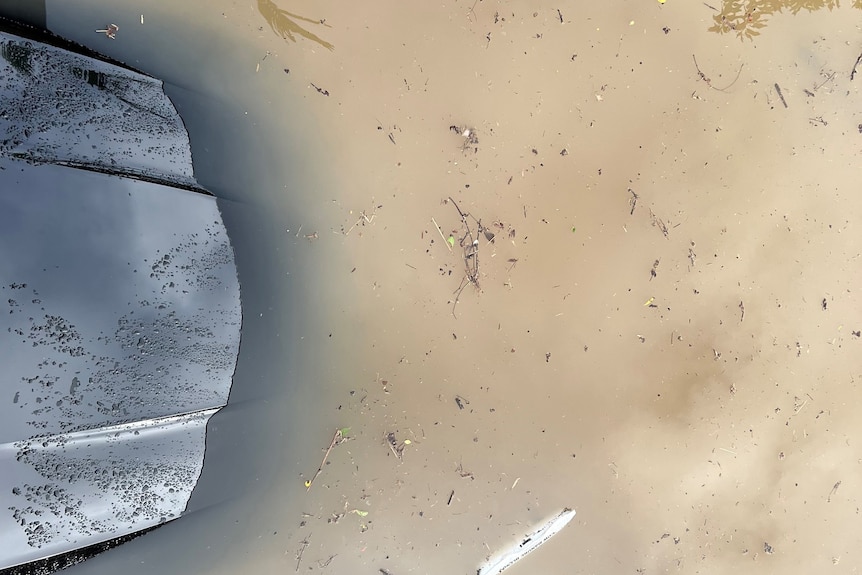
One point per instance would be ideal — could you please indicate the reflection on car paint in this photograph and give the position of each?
(63, 108)
(120, 304)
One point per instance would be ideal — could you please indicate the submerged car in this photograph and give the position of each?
(121, 312)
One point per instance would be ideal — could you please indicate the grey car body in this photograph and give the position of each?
(121, 303)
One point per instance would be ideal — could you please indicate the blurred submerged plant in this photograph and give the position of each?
(747, 17)
(284, 23)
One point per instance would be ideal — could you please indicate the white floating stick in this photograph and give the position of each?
(530, 543)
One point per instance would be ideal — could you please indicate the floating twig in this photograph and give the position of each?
(830, 76)
(461, 401)
(831, 493)
(856, 65)
(470, 245)
(633, 201)
(396, 447)
(659, 223)
(320, 90)
(335, 438)
(112, 29)
(464, 473)
(441, 234)
(303, 545)
(470, 12)
(363, 219)
(709, 82)
(780, 95)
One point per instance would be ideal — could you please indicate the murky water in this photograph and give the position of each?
(665, 335)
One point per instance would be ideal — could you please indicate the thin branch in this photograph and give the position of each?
(441, 234)
(335, 439)
(304, 544)
(703, 76)
(470, 244)
(853, 72)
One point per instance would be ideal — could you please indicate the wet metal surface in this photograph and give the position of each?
(121, 321)
(68, 109)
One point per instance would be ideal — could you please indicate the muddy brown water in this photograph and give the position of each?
(700, 419)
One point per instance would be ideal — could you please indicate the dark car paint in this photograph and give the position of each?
(123, 323)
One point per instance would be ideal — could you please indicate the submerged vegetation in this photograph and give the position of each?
(747, 17)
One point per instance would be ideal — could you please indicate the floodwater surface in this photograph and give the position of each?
(663, 333)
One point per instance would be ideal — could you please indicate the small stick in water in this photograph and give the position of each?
(335, 439)
(780, 95)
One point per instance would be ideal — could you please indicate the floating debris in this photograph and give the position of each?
(528, 544)
(112, 29)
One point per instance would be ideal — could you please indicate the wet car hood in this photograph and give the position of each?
(121, 305)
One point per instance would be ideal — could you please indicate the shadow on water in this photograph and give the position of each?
(283, 23)
(745, 18)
